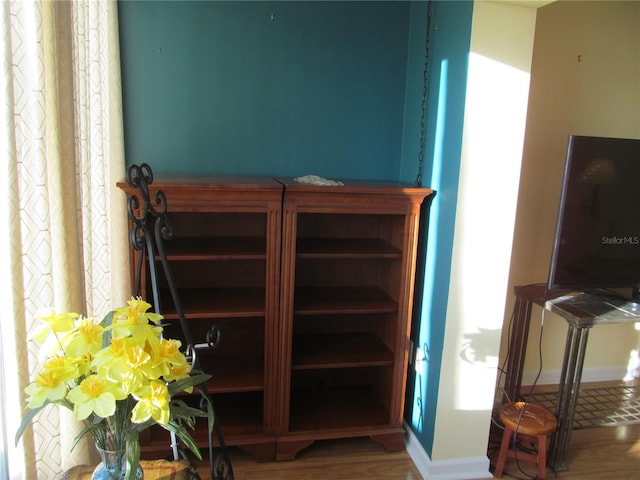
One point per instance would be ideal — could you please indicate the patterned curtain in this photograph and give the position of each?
(63, 240)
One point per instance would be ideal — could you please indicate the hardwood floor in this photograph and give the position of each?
(352, 459)
(606, 453)
(602, 453)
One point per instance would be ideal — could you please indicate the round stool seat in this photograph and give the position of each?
(528, 418)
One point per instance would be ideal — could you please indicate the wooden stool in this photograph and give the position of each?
(530, 422)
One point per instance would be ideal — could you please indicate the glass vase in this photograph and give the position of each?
(113, 466)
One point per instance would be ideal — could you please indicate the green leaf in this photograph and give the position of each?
(32, 413)
(133, 454)
(191, 381)
(179, 409)
(90, 428)
(210, 413)
(139, 427)
(26, 421)
(183, 435)
(106, 322)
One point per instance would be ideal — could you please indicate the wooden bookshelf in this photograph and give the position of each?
(348, 266)
(225, 261)
(311, 289)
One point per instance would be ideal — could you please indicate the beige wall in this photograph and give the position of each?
(580, 74)
(585, 80)
(493, 135)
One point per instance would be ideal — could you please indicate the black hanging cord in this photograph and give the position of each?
(423, 104)
(150, 227)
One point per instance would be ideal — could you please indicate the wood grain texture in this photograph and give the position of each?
(607, 453)
(343, 459)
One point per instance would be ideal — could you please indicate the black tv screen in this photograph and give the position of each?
(597, 239)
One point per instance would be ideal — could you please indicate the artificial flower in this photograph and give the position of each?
(85, 339)
(93, 395)
(55, 323)
(153, 402)
(117, 375)
(52, 382)
(133, 320)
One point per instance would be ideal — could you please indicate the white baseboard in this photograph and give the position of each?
(593, 374)
(458, 469)
(417, 453)
(477, 468)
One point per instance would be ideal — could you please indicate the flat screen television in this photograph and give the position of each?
(597, 239)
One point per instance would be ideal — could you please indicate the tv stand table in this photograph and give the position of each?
(581, 310)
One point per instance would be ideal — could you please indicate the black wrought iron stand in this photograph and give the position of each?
(149, 229)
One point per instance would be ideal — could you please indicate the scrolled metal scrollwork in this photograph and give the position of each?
(141, 211)
(147, 213)
(213, 337)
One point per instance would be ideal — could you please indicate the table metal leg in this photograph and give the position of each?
(517, 348)
(569, 387)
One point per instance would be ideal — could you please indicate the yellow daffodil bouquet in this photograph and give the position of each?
(119, 376)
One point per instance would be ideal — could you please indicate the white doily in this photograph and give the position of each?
(316, 180)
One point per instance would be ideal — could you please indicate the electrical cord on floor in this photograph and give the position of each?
(519, 446)
(535, 381)
(502, 368)
(499, 388)
(515, 444)
(531, 394)
(529, 397)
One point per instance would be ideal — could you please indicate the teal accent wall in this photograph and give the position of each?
(332, 88)
(447, 81)
(265, 88)
(414, 117)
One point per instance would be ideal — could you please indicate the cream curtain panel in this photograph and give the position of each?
(63, 240)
